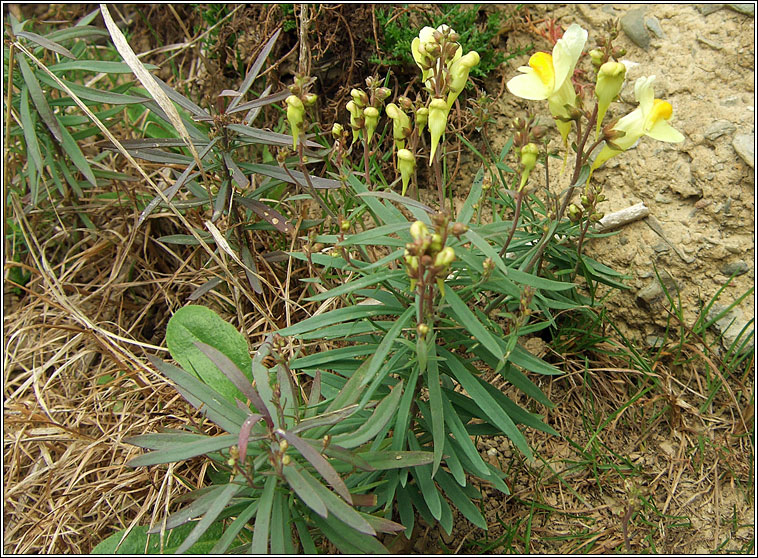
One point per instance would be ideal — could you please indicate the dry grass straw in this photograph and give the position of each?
(76, 381)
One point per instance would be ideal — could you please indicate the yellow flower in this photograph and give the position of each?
(650, 118)
(401, 124)
(610, 78)
(459, 71)
(437, 122)
(406, 164)
(295, 117)
(549, 76)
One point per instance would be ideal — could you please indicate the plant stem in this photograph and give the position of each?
(585, 228)
(516, 217)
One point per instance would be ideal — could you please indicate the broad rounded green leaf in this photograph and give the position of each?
(197, 323)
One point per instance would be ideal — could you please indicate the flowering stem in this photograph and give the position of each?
(366, 164)
(585, 228)
(516, 216)
(438, 178)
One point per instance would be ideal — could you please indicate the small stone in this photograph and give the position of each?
(653, 290)
(654, 25)
(662, 198)
(718, 129)
(653, 341)
(609, 9)
(730, 101)
(731, 327)
(744, 145)
(739, 267)
(713, 44)
(661, 247)
(633, 25)
(708, 9)
(747, 9)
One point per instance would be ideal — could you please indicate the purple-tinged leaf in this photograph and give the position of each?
(255, 68)
(236, 173)
(180, 99)
(244, 436)
(319, 462)
(252, 114)
(382, 525)
(296, 178)
(204, 288)
(267, 137)
(235, 375)
(261, 101)
(364, 500)
(271, 215)
(251, 269)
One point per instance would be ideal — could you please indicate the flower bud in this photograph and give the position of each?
(422, 117)
(310, 99)
(419, 230)
(436, 243)
(344, 225)
(295, 117)
(437, 123)
(597, 56)
(459, 71)
(574, 213)
(406, 164)
(382, 93)
(356, 118)
(459, 229)
(359, 97)
(286, 460)
(445, 257)
(372, 119)
(610, 79)
(529, 155)
(283, 445)
(401, 124)
(337, 130)
(422, 330)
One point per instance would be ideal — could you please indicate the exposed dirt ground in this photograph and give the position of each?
(658, 476)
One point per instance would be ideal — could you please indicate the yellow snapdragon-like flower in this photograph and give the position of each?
(650, 118)
(548, 76)
(610, 79)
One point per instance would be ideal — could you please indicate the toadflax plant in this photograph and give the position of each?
(426, 307)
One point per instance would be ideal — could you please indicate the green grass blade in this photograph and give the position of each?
(38, 98)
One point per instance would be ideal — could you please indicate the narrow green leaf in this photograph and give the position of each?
(405, 509)
(184, 451)
(474, 195)
(403, 412)
(347, 541)
(461, 501)
(38, 97)
(210, 516)
(255, 68)
(484, 400)
(453, 463)
(297, 176)
(262, 377)
(97, 66)
(382, 415)
(463, 440)
(361, 283)
(303, 489)
(337, 316)
(423, 476)
(467, 318)
(436, 409)
(334, 355)
(338, 507)
(263, 517)
(231, 532)
(386, 345)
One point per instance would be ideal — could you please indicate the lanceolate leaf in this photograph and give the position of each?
(210, 516)
(263, 518)
(38, 97)
(467, 212)
(230, 533)
(485, 401)
(184, 451)
(320, 463)
(255, 68)
(45, 43)
(303, 489)
(338, 507)
(436, 409)
(279, 221)
(382, 415)
(467, 318)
